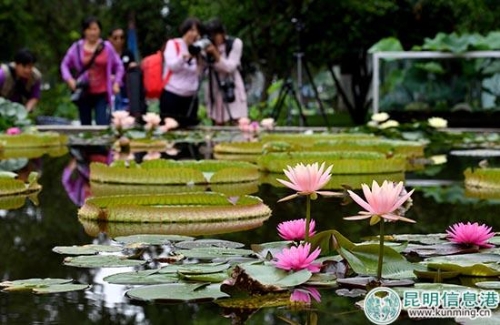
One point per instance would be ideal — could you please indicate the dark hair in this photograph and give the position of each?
(88, 21)
(190, 23)
(114, 29)
(215, 26)
(24, 57)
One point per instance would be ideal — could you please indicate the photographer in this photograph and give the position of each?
(20, 81)
(226, 97)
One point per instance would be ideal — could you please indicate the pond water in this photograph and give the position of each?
(29, 233)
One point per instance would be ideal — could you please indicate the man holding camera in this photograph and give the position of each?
(225, 97)
(20, 81)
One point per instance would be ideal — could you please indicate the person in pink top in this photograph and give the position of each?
(179, 98)
(97, 70)
(225, 94)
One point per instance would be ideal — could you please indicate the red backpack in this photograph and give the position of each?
(152, 70)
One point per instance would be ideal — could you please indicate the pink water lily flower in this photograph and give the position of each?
(470, 234)
(169, 124)
(382, 202)
(122, 120)
(295, 229)
(307, 180)
(298, 258)
(304, 295)
(152, 121)
(13, 131)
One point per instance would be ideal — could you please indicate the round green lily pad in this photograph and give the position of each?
(101, 261)
(177, 292)
(148, 240)
(208, 243)
(85, 249)
(141, 277)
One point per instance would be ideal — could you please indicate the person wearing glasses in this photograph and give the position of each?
(117, 38)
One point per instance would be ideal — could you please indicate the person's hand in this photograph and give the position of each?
(213, 51)
(116, 88)
(72, 84)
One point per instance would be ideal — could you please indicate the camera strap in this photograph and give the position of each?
(97, 51)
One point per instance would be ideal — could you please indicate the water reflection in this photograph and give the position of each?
(30, 232)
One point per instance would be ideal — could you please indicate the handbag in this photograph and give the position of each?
(83, 85)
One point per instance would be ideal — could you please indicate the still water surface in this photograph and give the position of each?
(28, 234)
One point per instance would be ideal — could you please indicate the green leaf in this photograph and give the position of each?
(208, 243)
(385, 45)
(177, 292)
(101, 261)
(85, 249)
(148, 240)
(141, 277)
(271, 276)
(495, 285)
(198, 268)
(28, 284)
(363, 259)
(58, 288)
(209, 253)
(467, 264)
(213, 277)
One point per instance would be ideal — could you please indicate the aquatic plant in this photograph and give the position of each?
(470, 234)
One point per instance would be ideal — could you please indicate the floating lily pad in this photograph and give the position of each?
(209, 253)
(436, 275)
(29, 284)
(101, 261)
(426, 239)
(148, 240)
(141, 277)
(495, 285)
(177, 292)
(203, 268)
(212, 277)
(58, 288)
(364, 282)
(467, 264)
(323, 279)
(208, 243)
(85, 249)
(353, 293)
(439, 249)
(271, 248)
(271, 276)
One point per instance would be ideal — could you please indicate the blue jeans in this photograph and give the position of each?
(98, 102)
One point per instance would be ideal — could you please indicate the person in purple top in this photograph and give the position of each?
(20, 81)
(97, 71)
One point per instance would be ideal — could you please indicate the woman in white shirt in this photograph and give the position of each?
(179, 99)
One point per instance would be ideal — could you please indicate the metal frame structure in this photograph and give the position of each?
(418, 55)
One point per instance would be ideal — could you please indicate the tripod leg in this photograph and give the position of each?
(297, 102)
(279, 102)
(316, 93)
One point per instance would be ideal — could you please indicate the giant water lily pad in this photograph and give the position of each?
(179, 207)
(85, 249)
(467, 264)
(119, 229)
(141, 277)
(101, 261)
(177, 292)
(161, 171)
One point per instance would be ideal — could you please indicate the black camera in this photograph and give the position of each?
(227, 87)
(80, 89)
(199, 46)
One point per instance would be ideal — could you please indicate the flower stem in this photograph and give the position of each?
(308, 217)
(381, 250)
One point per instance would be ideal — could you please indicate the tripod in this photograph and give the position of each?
(287, 88)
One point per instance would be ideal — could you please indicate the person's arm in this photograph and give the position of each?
(35, 93)
(174, 59)
(132, 63)
(66, 64)
(230, 63)
(116, 66)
